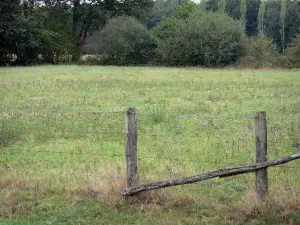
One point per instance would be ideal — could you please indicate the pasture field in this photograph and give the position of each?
(62, 144)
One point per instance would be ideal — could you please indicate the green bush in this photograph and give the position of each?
(204, 39)
(123, 41)
(260, 52)
(292, 54)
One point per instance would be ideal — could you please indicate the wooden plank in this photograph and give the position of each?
(131, 148)
(225, 172)
(261, 145)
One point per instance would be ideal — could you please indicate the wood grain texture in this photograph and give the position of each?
(131, 148)
(261, 149)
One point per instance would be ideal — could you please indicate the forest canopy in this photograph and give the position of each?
(212, 33)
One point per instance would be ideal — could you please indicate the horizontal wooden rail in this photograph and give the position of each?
(225, 172)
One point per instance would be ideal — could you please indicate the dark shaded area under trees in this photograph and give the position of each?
(166, 32)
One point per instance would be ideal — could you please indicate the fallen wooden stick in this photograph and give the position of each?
(225, 172)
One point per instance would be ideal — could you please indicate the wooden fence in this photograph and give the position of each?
(260, 167)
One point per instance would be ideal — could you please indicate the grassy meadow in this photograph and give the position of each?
(62, 144)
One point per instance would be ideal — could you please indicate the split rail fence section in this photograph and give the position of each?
(260, 167)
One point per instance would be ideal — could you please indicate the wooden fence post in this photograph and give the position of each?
(131, 148)
(261, 176)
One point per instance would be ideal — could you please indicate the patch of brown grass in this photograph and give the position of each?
(110, 191)
(12, 182)
(278, 205)
(17, 196)
(107, 188)
(159, 197)
(12, 205)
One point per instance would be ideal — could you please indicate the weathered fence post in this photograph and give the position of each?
(261, 176)
(131, 148)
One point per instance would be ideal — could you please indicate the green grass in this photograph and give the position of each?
(52, 163)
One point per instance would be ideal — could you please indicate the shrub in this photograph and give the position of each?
(292, 54)
(204, 39)
(260, 52)
(123, 41)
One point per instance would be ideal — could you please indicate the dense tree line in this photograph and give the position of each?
(56, 30)
(168, 32)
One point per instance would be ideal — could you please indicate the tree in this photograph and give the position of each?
(17, 35)
(204, 39)
(252, 17)
(212, 5)
(261, 16)
(243, 11)
(203, 5)
(161, 9)
(122, 41)
(292, 21)
(25, 44)
(10, 11)
(186, 8)
(282, 19)
(272, 22)
(293, 53)
(233, 8)
(222, 6)
(89, 16)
